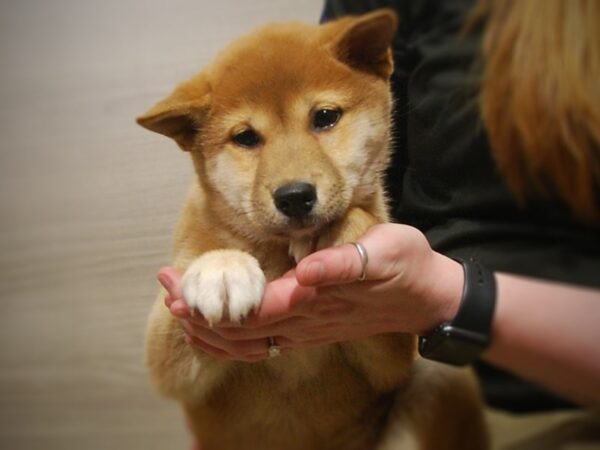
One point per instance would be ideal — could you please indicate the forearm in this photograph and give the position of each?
(548, 333)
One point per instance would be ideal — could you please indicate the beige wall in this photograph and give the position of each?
(87, 204)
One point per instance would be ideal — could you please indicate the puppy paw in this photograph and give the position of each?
(350, 228)
(224, 284)
(301, 247)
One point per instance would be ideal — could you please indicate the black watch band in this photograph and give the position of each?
(463, 339)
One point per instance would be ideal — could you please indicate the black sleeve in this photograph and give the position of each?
(338, 8)
(412, 14)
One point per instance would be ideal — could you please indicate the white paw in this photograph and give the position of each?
(224, 283)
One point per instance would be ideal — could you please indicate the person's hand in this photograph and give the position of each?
(408, 288)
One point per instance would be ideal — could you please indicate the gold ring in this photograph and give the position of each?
(274, 349)
(364, 259)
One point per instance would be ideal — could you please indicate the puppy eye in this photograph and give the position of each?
(247, 139)
(325, 118)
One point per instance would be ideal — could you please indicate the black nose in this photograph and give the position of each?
(296, 200)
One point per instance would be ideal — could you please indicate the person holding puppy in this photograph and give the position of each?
(494, 183)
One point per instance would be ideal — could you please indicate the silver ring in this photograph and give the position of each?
(364, 259)
(274, 349)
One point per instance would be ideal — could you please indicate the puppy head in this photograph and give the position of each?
(289, 126)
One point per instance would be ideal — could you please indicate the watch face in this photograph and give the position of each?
(453, 345)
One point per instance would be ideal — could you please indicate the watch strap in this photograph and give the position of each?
(461, 340)
(478, 301)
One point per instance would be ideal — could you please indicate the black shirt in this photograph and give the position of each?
(443, 178)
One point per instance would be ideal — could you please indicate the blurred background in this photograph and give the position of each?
(88, 201)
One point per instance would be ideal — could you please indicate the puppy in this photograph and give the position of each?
(289, 133)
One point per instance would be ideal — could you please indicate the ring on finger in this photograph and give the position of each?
(274, 349)
(364, 259)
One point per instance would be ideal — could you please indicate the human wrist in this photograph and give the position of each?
(443, 292)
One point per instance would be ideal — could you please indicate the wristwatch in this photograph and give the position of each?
(460, 341)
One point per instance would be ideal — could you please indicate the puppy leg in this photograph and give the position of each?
(385, 360)
(178, 370)
(219, 284)
(350, 228)
(441, 409)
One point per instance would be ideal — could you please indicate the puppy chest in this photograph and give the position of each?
(262, 408)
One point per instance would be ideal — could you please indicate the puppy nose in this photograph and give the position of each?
(296, 199)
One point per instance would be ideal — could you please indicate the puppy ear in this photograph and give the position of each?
(180, 115)
(364, 42)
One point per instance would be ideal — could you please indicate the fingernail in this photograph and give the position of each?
(315, 271)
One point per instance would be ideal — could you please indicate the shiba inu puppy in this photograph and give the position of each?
(289, 133)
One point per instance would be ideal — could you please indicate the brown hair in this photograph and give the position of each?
(540, 97)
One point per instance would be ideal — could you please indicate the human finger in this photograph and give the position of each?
(386, 249)
(334, 265)
(242, 350)
(282, 299)
(290, 344)
(180, 309)
(230, 330)
(170, 279)
(291, 326)
(222, 354)
(206, 348)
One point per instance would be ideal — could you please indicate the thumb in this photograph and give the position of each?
(170, 278)
(389, 247)
(334, 265)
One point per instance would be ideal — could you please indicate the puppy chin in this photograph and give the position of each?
(296, 229)
(305, 233)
